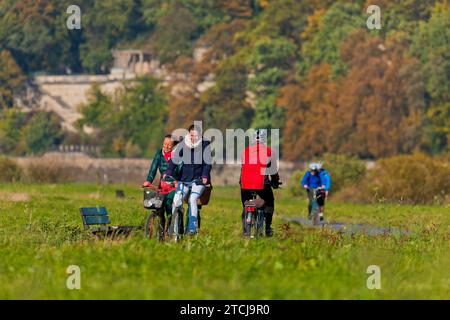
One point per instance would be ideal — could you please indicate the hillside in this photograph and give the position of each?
(312, 69)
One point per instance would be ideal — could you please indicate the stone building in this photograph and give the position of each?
(63, 94)
(133, 61)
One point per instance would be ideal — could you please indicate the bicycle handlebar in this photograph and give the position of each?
(196, 181)
(168, 178)
(319, 188)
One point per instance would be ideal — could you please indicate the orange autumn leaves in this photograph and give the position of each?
(375, 110)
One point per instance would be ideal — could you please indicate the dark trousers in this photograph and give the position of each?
(320, 200)
(267, 195)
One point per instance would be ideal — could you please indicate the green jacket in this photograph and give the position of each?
(159, 162)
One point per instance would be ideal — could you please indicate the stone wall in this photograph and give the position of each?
(64, 94)
(82, 168)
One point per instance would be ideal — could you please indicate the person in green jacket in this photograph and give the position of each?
(161, 162)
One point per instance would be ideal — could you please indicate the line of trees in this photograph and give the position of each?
(310, 68)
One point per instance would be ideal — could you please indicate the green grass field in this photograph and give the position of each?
(41, 235)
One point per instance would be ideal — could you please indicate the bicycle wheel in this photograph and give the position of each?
(248, 224)
(154, 227)
(315, 212)
(176, 226)
(259, 223)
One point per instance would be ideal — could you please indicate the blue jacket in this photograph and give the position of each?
(196, 162)
(315, 181)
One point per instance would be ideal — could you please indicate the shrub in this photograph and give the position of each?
(294, 183)
(344, 170)
(414, 179)
(354, 194)
(45, 172)
(10, 171)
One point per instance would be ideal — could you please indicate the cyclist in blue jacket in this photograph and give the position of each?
(317, 177)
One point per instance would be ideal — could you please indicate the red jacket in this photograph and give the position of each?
(255, 160)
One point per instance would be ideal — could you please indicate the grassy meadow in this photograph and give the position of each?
(41, 235)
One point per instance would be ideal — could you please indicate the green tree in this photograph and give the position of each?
(132, 121)
(402, 15)
(11, 124)
(270, 62)
(109, 24)
(99, 111)
(268, 114)
(225, 104)
(174, 33)
(11, 78)
(430, 45)
(42, 132)
(141, 118)
(333, 27)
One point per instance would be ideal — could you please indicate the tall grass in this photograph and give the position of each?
(40, 236)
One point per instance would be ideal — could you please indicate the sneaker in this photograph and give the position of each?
(269, 232)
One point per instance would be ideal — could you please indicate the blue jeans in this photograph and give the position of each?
(180, 195)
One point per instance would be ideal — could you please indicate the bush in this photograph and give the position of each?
(10, 171)
(45, 172)
(294, 183)
(414, 179)
(354, 194)
(344, 170)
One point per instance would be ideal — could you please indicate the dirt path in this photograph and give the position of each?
(349, 228)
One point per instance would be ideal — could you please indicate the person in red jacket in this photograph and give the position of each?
(257, 159)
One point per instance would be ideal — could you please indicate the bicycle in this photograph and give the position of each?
(154, 200)
(315, 194)
(176, 228)
(253, 216)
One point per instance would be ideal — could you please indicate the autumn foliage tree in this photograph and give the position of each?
(376, 110)
(309, 107)
(381, 100)
(310, 68)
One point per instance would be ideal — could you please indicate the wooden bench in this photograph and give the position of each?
(96, 220)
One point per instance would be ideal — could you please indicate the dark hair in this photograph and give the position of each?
(193, 127)
(171, 137)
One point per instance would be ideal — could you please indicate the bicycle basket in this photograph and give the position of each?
(204, 198)
(152, 200)
(257, 203)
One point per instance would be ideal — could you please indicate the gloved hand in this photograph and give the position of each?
(275, 184)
